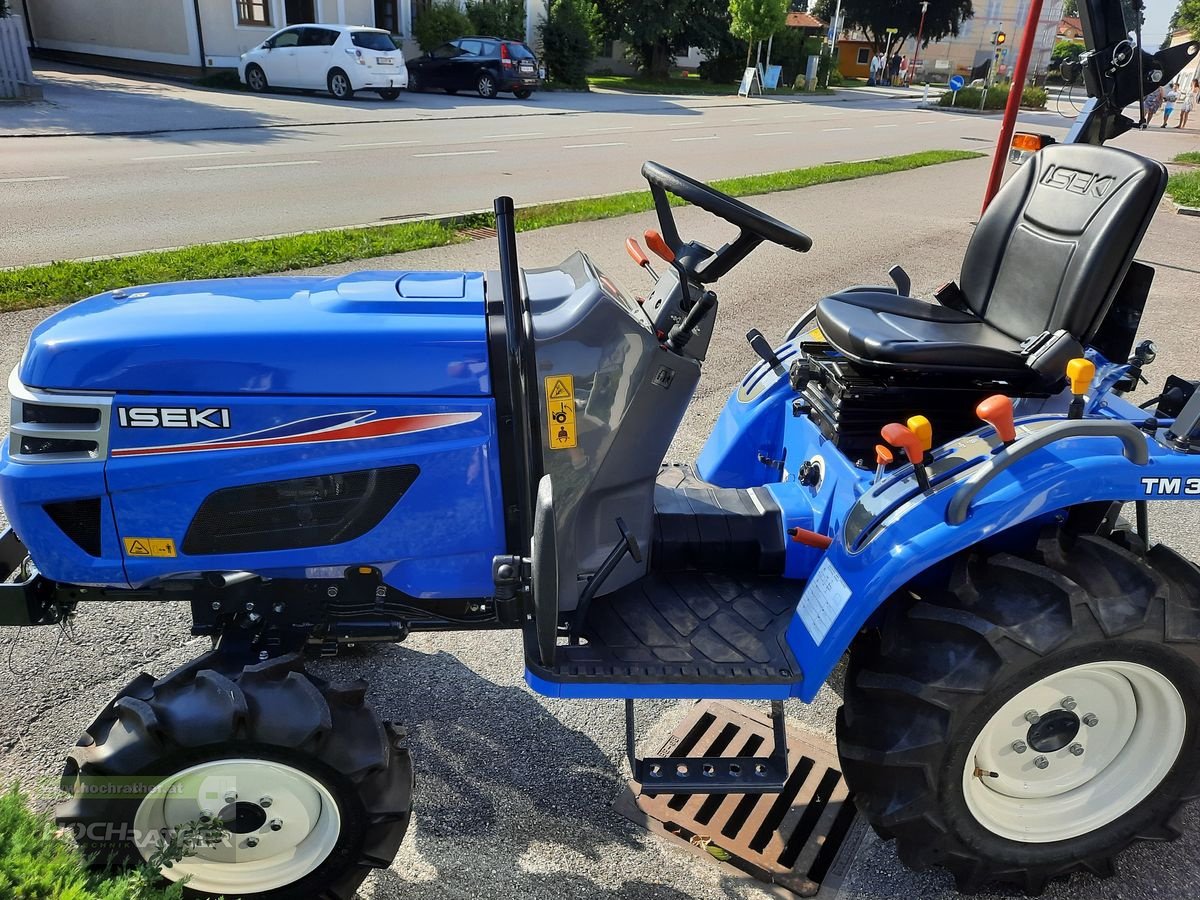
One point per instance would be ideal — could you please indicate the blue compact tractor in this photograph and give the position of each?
(932, 487)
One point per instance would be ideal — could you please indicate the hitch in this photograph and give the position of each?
(710, 774)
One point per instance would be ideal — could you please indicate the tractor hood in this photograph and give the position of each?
(379, 333)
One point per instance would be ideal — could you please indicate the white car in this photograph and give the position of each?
(340, 58)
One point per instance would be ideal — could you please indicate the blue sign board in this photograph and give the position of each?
(956, 83)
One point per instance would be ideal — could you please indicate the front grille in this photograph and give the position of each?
(52, 427)
(313, 511)
(79, 520)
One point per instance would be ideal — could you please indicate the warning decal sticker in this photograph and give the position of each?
(150, 547)
(560, 412)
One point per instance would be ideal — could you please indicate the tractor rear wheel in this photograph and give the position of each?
(1036, 718)
(309, 788)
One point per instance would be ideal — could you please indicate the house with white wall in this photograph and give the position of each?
(192, 35)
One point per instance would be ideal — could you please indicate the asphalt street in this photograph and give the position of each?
(513, 789)
(215, 165)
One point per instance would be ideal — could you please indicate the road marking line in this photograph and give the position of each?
(375, 144)
(519, 134)
(753, 119)
(192, 155)
(34, 178)
(613, 128)
(927, 122)
(886, 126)
(586, 146)
(771, 133)
(703, 137)
(452, 153)
(298, 162)
(835, 129)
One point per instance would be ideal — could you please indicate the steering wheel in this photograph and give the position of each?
(755, 225)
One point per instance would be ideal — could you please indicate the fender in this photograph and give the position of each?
(856, 577)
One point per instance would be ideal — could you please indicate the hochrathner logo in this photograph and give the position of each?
(172, 417)
(1076, 181)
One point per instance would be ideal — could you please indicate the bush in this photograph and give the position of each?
(442, 22)
(567, 46)
(969, 98)
(497, 18)
(726, 62)
(1033, 98)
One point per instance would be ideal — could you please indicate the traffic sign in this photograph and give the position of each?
(957, 82)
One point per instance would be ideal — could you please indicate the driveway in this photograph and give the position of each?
(514, 789)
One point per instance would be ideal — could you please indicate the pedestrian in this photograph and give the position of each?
(903, 70)
(894, 69)
(1172, 95)
(874, 77)
(1150, 104)
(1186, 99)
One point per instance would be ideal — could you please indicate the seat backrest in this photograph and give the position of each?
(1055, 242)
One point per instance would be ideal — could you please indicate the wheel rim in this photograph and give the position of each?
(256, 80)
(485, 86)
(1074, 751)
(282, 824)
(339, 85)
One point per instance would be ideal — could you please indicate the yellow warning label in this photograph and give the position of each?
(560, 411)
(152, 547)
(816, 335)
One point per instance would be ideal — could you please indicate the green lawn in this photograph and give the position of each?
(1191, 157)
(61, 282)
(1184, 188)
(38, 864)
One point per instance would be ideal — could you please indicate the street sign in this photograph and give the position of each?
(957, 82)
(891, 30)
(750, 78)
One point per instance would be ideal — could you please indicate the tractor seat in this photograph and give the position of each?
(1041, 269)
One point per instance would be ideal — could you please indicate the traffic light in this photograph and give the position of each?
(998, 38)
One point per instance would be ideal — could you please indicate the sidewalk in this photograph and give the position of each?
(514, 790)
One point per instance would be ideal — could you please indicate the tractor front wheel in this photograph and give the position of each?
(1034, 719)
(296, 785)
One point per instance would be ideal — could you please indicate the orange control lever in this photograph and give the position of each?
(883, 456)
(997, 411)
(810, 538)
(634, 249)
(655, 242)
(904, 438)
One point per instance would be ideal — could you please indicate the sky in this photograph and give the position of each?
(1158, 14)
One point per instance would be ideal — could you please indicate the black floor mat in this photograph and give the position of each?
(687, 628)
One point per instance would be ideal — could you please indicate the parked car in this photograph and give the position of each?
(488, 65)
(340, 58)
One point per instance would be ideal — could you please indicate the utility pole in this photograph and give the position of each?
(831, 39)
(920, 31)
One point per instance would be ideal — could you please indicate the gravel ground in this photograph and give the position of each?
(513, 789)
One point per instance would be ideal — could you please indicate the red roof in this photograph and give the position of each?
(1070, 25)
(803, 20)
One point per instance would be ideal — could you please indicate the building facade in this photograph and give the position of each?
(198, 34)
(960, 54)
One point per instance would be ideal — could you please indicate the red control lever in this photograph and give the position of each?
(906, 439)
(810, 538)
(655, 242)
(634, 249)
(997, 411)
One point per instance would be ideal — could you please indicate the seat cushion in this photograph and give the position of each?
(885, 329)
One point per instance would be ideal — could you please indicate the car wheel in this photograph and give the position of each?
(486, 85)
(390, 94)
(256, 79)
(339, 85)
(414, 82)
(523, 94)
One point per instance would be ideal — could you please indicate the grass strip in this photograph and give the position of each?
(61, 282)
(1184, 188)
(1191, 157)
(37, 864)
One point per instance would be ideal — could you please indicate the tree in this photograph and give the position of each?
(658, 30)
(756, 20)
(875, 17)
(567, 45)
(1070, 8)
(1187, 17)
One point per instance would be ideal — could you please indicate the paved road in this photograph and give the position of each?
(514, 789)
(282, 163)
